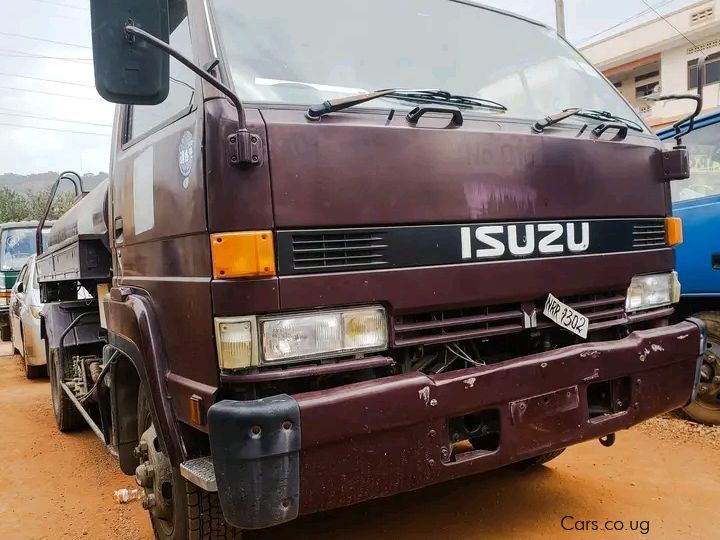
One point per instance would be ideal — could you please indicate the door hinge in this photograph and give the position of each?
(245, 148)
(676, 164)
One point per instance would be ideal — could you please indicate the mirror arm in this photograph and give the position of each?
(698, 103)
(135, 32)
(73, 177)
(244, 148)
(690, 119)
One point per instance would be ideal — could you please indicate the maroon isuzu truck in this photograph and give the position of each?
(299, 292)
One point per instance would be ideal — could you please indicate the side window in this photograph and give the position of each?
(704, 148)
(25, 277)
(144, 118)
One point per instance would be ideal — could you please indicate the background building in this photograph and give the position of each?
(654, 57)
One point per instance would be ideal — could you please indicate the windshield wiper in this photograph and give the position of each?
(594, 114)
(315, 112)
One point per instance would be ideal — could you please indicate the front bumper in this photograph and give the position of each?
(276, 458)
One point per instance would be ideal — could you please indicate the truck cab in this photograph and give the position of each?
(308, 292)
(696, 201)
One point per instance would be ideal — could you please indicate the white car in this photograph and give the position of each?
(25, 309)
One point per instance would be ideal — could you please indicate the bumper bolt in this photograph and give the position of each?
(145, 474)
(256, 430)
(141, 450)
(433, 402)
(716, 379)
(148, 501)
(444, 452)
(287, 424)
(286, 502)
(432, 434)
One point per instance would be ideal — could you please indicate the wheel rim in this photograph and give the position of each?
(154, 474)
(709, 387)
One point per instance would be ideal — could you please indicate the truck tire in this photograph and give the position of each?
(706, 408)
(31, 372)
(5, 332)
(181, 510)
(35, 372)
(537, 460)
(67, 417)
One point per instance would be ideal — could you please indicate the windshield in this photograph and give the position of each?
(703, 145)
(302, 53)
(17, 246)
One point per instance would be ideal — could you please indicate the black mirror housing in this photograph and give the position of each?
(129, 70)
(20, 287)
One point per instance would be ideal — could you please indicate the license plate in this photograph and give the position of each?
(565, 316)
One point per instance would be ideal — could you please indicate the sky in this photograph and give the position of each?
(51, 118)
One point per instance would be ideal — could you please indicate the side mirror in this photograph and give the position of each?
(129, 70)
(20, 287)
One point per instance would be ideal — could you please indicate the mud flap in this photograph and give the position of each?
(255, 448)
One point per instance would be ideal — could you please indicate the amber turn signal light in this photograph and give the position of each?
(242, 254)
(197, 410)
(673, 230)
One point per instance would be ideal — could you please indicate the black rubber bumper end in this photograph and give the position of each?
(255, 448)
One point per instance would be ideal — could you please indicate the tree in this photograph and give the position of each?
(13, 205)
(30, 205)
(37, 201)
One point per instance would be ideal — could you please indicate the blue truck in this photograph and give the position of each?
(696, 201)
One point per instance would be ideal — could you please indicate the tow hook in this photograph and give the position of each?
(608, 440)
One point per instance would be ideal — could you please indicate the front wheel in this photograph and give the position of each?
(35, 372)
(706, 407)
(5, 332)
(537, 460)
(178, 509)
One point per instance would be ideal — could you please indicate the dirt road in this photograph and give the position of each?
(661, 478)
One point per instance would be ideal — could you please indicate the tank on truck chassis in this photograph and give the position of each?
(307, 294)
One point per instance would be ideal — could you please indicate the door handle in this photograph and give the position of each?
(118, 224)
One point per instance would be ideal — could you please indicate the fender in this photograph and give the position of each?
(57, 317)
(133, 330)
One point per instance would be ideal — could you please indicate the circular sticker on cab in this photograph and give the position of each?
(185, 155)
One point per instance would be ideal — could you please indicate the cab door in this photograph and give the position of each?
(158, 214)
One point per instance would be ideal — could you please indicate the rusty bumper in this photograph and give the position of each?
(288, 455)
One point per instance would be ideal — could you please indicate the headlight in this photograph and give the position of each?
(646, 292)
(300, 336)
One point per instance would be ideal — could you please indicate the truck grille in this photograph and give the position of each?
(335, 251)
(446, 326)
(603, 309)
(649, 233)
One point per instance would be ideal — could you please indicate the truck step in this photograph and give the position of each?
(200, 471)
